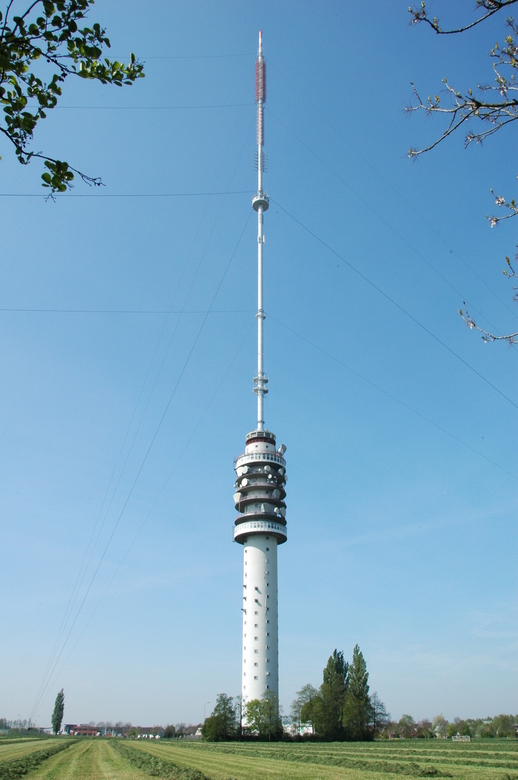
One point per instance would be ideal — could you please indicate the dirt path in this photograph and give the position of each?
(87, 760)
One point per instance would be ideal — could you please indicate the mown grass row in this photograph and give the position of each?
(154, 766)
(341, 754)
(9, 740)
(22, 765)
(369, 760)
(432, 746)
(22, 747)
(368, 748)
(409, 768)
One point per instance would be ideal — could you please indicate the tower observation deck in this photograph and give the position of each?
(260, 486)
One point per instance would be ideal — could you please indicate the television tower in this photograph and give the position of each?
(260, 484)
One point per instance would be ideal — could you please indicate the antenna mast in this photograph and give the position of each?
(260, 487)
(260, 203)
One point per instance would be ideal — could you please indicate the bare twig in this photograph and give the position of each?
(511, 338)
(492, 7)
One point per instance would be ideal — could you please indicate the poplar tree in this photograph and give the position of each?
(357, 706)
(57, 715)
(333, 693)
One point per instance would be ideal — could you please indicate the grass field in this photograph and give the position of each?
(99, 759)
(489, 760)
(20, 747)
(19, 759)
(87, 759)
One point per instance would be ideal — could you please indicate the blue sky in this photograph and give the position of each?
(119, 429)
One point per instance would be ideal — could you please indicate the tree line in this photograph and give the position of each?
(341, 709)
(439, 728)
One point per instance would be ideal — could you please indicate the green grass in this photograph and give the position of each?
(32, 738)
(19, 760)
(19, 747)
(155, 766)
(88, 759)
(491, 760)
(102, 759)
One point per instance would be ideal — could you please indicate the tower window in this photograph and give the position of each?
(267, 549)
(266, 686)
(256, 664)
(255, 678)
(255, 651)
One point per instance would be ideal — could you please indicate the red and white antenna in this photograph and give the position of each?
(260, 91)
(260, 203)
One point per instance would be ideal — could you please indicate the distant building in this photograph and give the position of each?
(192, 732)
(83, 730)
(150, 732)
(305, 729)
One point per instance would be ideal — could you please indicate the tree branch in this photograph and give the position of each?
(495, 113)
(29, 9)
(511, 338)
(9, 6)
(22, 45)
(493, 6)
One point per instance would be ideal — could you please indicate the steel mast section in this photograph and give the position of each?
(260, 203)
(260, 486)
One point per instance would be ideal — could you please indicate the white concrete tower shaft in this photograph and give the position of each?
(260, 486)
